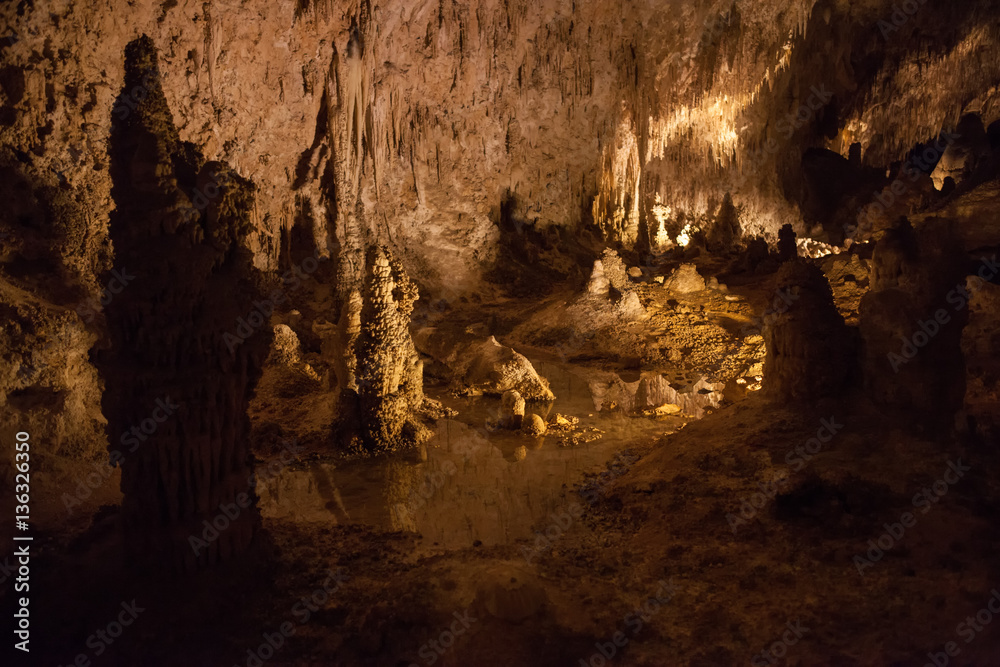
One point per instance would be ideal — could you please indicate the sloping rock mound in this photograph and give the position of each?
(484, 366)
(495, 368)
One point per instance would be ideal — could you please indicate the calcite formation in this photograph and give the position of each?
(185, 345)
(389, 370)
(615, 271)
(511, 410)
(494, 368)
(910, 326)
(685, 279)
(787, 247)
(598, 284)
(810, 350)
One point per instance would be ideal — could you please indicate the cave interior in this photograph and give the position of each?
(497, 332)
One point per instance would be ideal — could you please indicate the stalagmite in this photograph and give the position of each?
(389, 372)
(809, 348)
(186, 346)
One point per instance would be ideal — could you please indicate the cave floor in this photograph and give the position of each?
(661, 516)
(536, 554)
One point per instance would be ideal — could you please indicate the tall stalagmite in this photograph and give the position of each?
(389, 370)
(810, 350)
(186, 344)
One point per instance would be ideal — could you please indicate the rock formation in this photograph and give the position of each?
(685, 279)
(787, 247)
(389, 371)
(598, 284)
(185, 343)
(533, 425)
(981, 349)
(809, 347)
(511, 410)
(615, 271)
(910, 326)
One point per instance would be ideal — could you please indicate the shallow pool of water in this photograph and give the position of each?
(476, 483)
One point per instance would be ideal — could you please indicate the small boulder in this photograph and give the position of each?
(685, 279)
(533, 425)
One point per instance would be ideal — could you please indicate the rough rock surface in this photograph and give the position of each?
(615, 271)
(685, 279)
(810, 351)
(495, 368)
(484, 366)
(511, 410)
(598, 284)
(630, 309)
(981, 348)
(186, 347)
(389, 370)
(910, 360)
(533, 425)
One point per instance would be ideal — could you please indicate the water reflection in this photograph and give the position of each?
(476, 483)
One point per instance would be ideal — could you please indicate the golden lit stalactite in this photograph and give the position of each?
(907, 105)
(616, 207)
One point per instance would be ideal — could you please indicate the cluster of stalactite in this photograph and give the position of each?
(184, 351)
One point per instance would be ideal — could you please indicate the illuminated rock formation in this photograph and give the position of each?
(185, 342)
(389, 370)
(511, 410)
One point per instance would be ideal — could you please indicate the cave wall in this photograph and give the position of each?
(583, 112)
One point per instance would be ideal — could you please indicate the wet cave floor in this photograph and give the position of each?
(666, 541)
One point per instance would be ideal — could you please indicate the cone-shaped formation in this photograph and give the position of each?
(184, 353)
(389, 370)
(809, 347)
